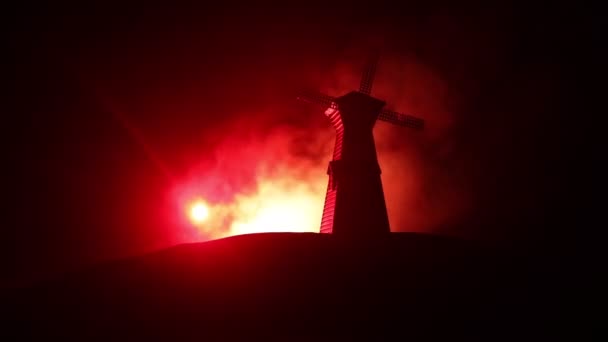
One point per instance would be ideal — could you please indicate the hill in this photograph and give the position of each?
(297, 285)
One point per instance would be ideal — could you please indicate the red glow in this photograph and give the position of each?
(255, 185)
(259, 176)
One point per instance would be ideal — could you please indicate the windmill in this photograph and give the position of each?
(354, 202)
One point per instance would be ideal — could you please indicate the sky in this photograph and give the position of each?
(121, 115)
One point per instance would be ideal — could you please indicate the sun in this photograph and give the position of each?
(199, 212)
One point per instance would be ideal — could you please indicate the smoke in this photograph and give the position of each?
(424, 189)
(262, 178)
(267, 174)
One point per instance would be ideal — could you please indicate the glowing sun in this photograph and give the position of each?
(199, 212)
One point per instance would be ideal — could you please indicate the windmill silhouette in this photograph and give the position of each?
(354, 202)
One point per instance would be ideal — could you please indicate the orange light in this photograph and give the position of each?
(280, 205)
(199, 212)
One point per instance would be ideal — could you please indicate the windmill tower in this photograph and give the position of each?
(354, 202)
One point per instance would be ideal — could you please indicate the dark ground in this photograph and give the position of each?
(307, 285)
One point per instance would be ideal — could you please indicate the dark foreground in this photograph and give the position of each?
(300, 285)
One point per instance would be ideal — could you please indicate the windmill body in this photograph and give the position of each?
(354, 194)
(354, 202)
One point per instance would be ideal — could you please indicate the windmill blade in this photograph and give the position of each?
(369, 71)
(317, 98)
(401, 119)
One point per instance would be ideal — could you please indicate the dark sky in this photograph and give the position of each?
(111, 104)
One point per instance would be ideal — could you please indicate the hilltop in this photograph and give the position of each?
(297, 284)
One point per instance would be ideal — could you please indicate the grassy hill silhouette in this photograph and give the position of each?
(297, 285)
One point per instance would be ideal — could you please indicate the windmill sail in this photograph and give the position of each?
(401, 119)
(316, 98)
(369, 71)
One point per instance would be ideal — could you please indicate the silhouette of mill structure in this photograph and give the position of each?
(354, 202)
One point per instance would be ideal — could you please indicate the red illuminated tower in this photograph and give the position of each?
(354, 203)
